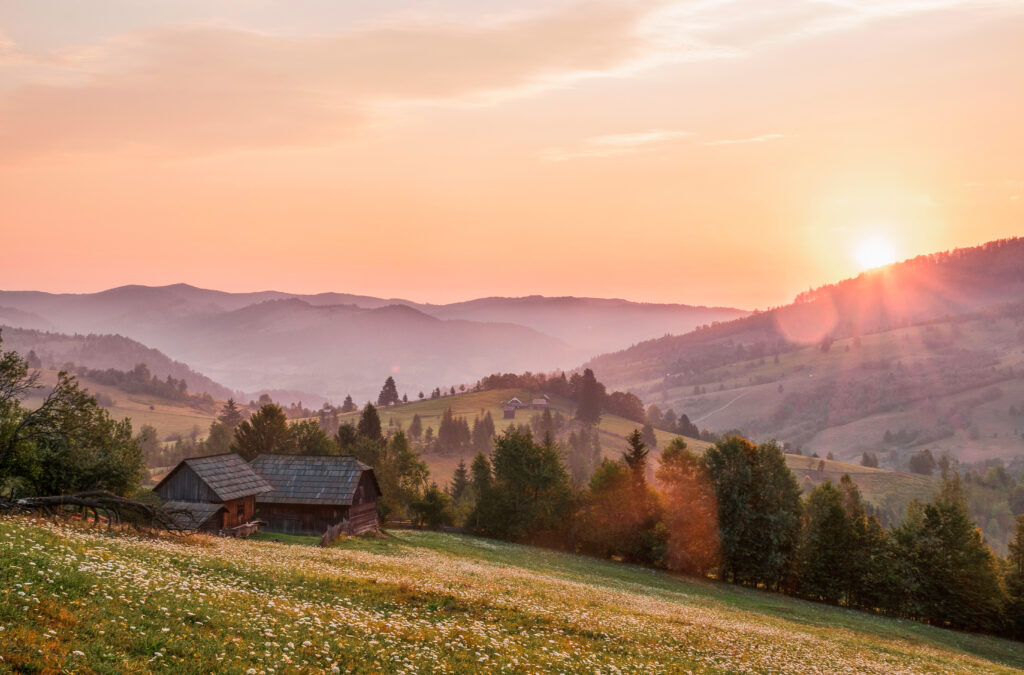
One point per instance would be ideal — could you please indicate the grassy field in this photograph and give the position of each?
(613, 429)
(167, 417)
(79, 600)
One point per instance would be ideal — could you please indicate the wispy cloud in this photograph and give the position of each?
(203, 89)
(610, 145)
(763, 138)
(200, 89)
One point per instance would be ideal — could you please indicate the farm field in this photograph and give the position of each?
(82, 600)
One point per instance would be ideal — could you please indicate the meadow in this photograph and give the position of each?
(166, 416)
(612, 430)
(75, 599)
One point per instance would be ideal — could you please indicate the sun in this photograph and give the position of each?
(875, 251)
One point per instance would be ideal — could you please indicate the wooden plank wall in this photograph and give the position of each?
(185, 486)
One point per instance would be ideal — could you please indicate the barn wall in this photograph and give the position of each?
(186, 486)
(365, 493)
(300, 518)
(362, 518)
(238, 511)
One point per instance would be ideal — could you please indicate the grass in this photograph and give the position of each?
(81, 600)
(166, 416)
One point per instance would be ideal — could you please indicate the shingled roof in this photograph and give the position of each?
(227, 475)
(298, 479)
(191, 515)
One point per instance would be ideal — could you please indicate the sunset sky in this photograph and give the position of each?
(705, 152)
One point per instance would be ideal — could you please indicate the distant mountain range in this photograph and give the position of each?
(334, 344)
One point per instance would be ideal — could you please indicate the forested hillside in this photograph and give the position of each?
(928, 350)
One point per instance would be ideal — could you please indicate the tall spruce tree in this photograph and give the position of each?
(589, 395)
(635, 457)
(388, 393)
(369, 424)
(230, 415)
(460, 480)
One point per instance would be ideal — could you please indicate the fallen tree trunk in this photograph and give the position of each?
(117, 509)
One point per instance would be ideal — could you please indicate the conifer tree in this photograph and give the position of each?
(416, 428)
(635, 457)
(388, 393)
(230, 415)
(1015, 582)
(460, 480)
(369, 424)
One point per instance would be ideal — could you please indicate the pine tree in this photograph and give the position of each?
(369, 424)
(635, 457)
(416, 428)
(460, 480)
(230, 415)
(589, 395)
(388, 393)
(1014, 580)
(348, 405)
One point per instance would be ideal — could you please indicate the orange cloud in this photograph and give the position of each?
(203, 89)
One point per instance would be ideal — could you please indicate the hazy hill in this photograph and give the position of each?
(335, 344)
(340, 349)
(106, 351)
(591, 324)
(930, 347)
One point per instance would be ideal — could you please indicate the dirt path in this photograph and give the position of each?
(717, 410)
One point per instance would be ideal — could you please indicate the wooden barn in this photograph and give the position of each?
(313, 493)
(212, 493)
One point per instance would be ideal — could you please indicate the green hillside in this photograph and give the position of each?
(77, 600)
(613, 429)
(953, 386)
(167, 416)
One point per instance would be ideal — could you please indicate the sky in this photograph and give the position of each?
(703, 152)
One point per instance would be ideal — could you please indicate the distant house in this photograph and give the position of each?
(211, 493)
(510, 412)
(539, 404)
(514, 403)
(312, 493)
